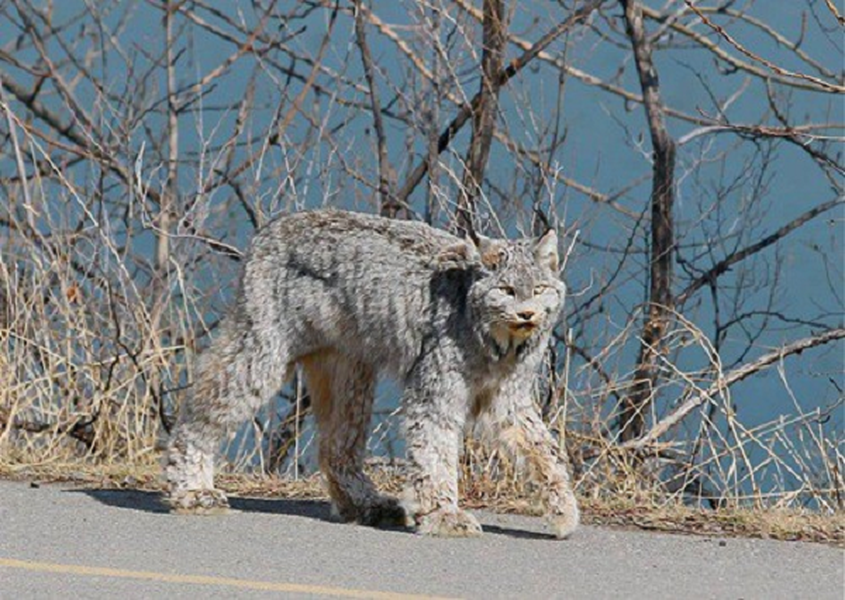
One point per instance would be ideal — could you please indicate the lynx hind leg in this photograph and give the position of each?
(520, 432)
(342, 392)
(233, 379)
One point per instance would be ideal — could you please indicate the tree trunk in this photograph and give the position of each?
(484, 117)
(662, 230)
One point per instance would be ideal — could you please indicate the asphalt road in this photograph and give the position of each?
(71, 543)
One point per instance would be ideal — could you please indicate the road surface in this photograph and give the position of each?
(64, 542)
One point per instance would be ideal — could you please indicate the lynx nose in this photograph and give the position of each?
(526, 315)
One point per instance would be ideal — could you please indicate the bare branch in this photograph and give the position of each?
(731, 378)
(835, 12)
(515, 66)
(820, 83)
(725, 264)
(386, 178)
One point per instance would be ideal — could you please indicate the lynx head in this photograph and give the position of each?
(516, 298)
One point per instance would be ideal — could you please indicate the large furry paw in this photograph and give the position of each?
(383, 510)
(565, 522)
(449, 523)
(198, 502)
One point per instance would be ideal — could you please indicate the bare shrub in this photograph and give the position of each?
(688, 153)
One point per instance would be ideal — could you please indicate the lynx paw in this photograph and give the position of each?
(564, 523)
(383, 510)
(199, 502)
(449, 523)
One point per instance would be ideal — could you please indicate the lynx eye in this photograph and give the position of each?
(540, 289)
(508, 290)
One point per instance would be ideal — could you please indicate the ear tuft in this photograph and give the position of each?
(545, 250)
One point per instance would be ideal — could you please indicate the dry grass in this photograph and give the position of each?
(85, 397)
(671, 517)
(89, 383)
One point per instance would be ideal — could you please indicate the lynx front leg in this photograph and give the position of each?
(519, 430)
(434, 421)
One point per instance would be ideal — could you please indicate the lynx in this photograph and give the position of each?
(461, 324)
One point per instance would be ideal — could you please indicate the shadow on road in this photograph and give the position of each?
(319, 510)
(152, 502)
(312, 509)
(131, 499)
(517, 533)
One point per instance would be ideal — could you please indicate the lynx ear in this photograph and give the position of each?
(492, 251)
(545, 250)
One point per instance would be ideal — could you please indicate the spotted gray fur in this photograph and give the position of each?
(349, 296)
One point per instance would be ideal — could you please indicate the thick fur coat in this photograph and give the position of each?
(461, 324)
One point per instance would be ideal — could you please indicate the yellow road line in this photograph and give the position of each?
(44, 567)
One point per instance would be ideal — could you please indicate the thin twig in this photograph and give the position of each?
(729, 379)
(821, 83)
(515, 66)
